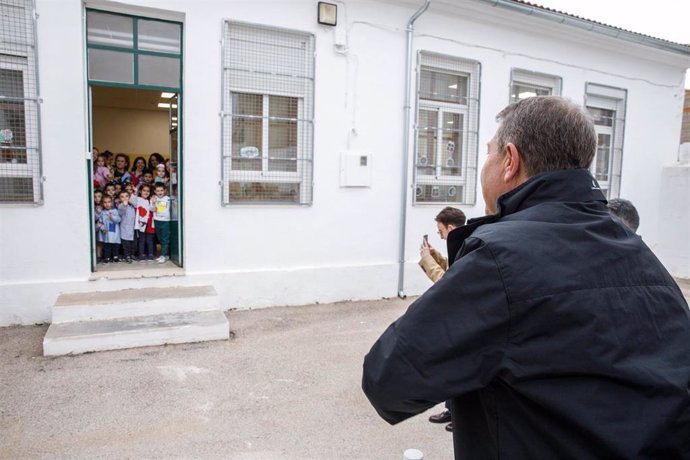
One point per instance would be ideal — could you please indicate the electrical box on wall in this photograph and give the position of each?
(355, 169)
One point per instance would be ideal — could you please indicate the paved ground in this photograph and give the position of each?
(286, 386)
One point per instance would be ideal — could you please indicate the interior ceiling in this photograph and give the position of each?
(126, 98)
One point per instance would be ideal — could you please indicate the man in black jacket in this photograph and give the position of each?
(555, 332)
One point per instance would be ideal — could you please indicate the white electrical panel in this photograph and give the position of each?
(355, 169)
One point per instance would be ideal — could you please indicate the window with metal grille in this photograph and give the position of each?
(268, 115)
(446, 129)
(606, 105)
(20, 150)
(525, 83)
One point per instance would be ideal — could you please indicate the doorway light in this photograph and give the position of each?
(453, 86)
(165, 95)
(166, 105)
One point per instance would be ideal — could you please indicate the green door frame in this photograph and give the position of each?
(178, 225)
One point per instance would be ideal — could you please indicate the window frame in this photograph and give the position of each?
(533, 79)
(466, 179)
(304, 94)
(615, 99)
(24, 58)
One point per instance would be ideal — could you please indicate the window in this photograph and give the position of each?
(446, 129)
(20, 160)
(268, 113)
(606, 105)
(525, 83)
(133, 51)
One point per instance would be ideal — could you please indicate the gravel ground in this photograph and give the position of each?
(286, 386)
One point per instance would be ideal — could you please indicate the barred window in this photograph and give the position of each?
(526, 83)
(606, 105)
(268, 115)
(446, 129)
(20, 153)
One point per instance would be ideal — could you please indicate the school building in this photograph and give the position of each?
(311, 143)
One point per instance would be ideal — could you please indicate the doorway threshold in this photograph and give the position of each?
(121, 271)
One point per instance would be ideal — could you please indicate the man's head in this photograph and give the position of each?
(625, 211)
(449, 219)
(536, 135)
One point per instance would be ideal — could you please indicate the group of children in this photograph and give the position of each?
(132, 209)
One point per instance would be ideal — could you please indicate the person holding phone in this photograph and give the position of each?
(433, 262)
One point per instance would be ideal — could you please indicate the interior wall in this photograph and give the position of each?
(131, 131)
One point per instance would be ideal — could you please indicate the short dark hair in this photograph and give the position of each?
(159, 185)
(625, 211)
(147, 171)
(550, 132)
(451, 216)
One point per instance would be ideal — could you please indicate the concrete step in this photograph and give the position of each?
(112, 334)
(100, 305)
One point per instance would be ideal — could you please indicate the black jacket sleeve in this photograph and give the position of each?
(451, 341)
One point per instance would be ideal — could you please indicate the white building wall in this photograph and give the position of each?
(344, 246)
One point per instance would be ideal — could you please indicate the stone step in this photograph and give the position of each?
(112, 334)
(100, 305)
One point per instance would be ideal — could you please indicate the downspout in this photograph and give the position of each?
(406, 147)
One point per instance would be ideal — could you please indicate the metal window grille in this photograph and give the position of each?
(606, 105)
(526, 83)
(268, 115)
(20, 150)
(446, 129)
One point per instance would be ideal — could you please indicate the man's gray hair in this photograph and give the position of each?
(625, 211)
(551, 133)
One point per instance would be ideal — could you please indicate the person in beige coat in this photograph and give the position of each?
(432, 262)
(435, 265)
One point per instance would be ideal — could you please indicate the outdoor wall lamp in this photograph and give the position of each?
(328, 13)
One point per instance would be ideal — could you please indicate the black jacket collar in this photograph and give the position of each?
(570, 185)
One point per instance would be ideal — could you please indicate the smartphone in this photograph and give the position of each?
(426, 239)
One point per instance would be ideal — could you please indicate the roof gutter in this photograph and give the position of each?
(406, 147)
(590, 26)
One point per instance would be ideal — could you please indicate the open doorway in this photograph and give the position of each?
(134, 68)
(135, 137)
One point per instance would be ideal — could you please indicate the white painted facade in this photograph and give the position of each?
(345, 245)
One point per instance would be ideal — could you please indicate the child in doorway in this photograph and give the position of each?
(161, 218)
(147, 177)
(109, 230)
(127, 220)
(97, 208)
(161, 174)
(101, 173)
(144, 223)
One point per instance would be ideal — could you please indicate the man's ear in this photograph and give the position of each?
(512, 163)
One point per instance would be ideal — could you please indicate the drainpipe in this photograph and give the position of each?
(406, 146)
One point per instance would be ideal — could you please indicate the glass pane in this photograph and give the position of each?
(264, 191)
(439, 86)
(521, 91)
(282, 134)
(426, 142)
(16, 189)
(159, 71)
(602, 117)
(111, 66)
(429, 193)
(158, 36)
(247, 145)
(109, 29)
(451, 157)
(601, 171)
(12, 83)
(12, 117)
